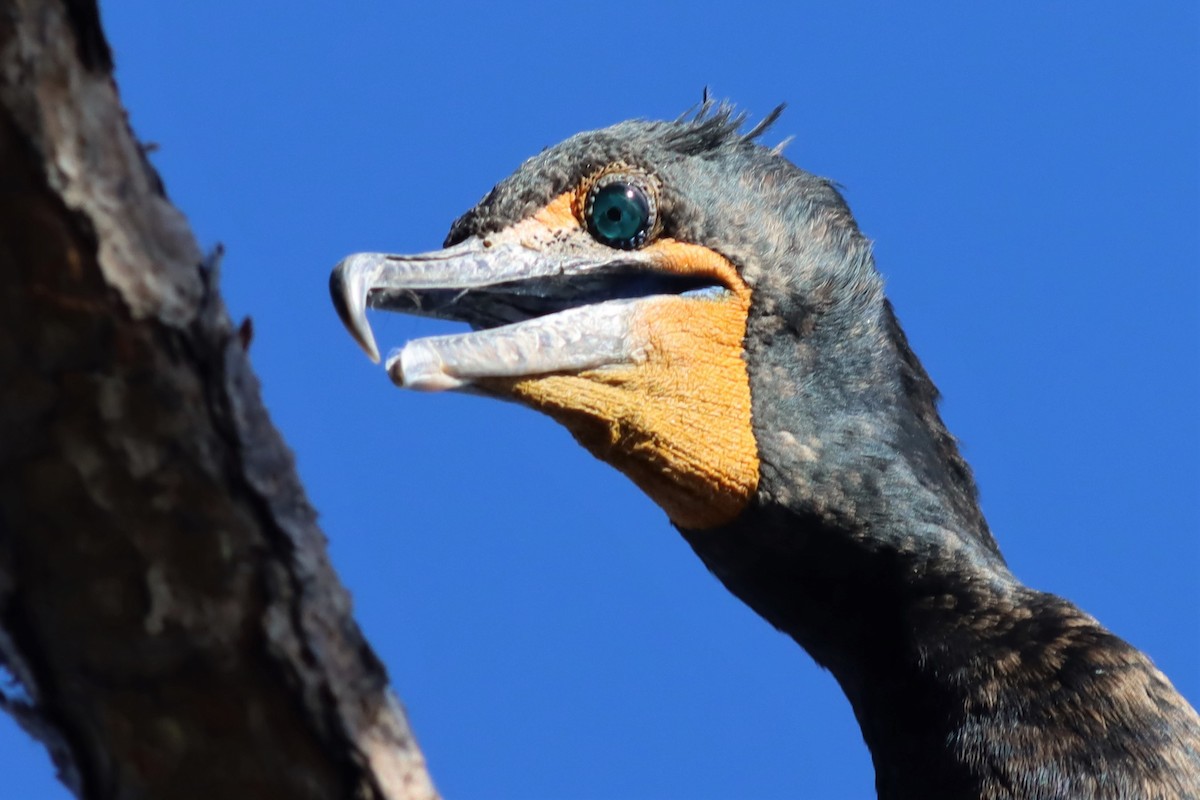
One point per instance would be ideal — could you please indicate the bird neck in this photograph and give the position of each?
(872, 602)
(865, 543)
(965, 682)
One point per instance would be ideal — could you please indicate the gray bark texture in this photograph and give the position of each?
(166, 603)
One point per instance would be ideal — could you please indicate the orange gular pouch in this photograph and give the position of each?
(676, 422)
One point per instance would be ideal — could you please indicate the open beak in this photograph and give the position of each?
(537, 308)
(639, 353)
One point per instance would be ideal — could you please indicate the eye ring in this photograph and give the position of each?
(621, 210)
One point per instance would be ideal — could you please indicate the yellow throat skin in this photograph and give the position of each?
(680, 431)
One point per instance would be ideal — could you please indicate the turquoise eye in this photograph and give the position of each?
(619, 213)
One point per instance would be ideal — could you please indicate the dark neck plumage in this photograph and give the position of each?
(865, 544)
(965, 683)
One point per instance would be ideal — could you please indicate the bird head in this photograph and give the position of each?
(707, 318)
(696, 310)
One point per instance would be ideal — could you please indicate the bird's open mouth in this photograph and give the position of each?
(534, 313)
(586, 310)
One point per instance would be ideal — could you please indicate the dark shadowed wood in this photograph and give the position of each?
(166, 602)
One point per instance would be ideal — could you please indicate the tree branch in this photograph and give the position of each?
(166, 603)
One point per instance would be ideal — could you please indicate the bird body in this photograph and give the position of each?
(707, 318)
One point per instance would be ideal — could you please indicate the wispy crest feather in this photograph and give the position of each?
(714, 124)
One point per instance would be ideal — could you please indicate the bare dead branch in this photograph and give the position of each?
(165, 597)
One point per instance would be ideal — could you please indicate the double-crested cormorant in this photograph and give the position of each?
(707, 318)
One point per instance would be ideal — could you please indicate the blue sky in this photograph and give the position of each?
(1030, 175)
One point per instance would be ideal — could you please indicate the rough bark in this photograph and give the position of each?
(166, 603)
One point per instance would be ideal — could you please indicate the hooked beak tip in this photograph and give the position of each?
(348, 286)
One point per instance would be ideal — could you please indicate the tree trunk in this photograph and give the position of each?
(166, 603)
